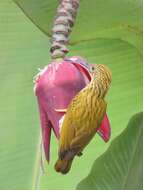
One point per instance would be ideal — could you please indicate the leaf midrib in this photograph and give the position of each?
(131, 160)
(37, 173)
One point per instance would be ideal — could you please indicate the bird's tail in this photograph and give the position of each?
(63, 166)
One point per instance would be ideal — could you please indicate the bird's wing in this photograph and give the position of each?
(85, 134)
(70, 124)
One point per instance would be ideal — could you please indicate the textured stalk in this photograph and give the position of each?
(64, 21)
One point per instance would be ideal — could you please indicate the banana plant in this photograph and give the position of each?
(107, 32)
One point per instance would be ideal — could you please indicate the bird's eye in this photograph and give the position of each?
(92, 68)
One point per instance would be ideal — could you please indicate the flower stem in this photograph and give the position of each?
(64, 21)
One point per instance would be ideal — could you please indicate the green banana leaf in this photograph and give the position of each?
(115, 19)
(24, 48)
(120, 167)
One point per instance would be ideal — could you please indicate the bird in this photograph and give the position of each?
(83, 118)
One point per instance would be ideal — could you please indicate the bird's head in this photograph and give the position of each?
(101, 71)
(101, 78)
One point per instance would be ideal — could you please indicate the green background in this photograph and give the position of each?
(23, 49)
